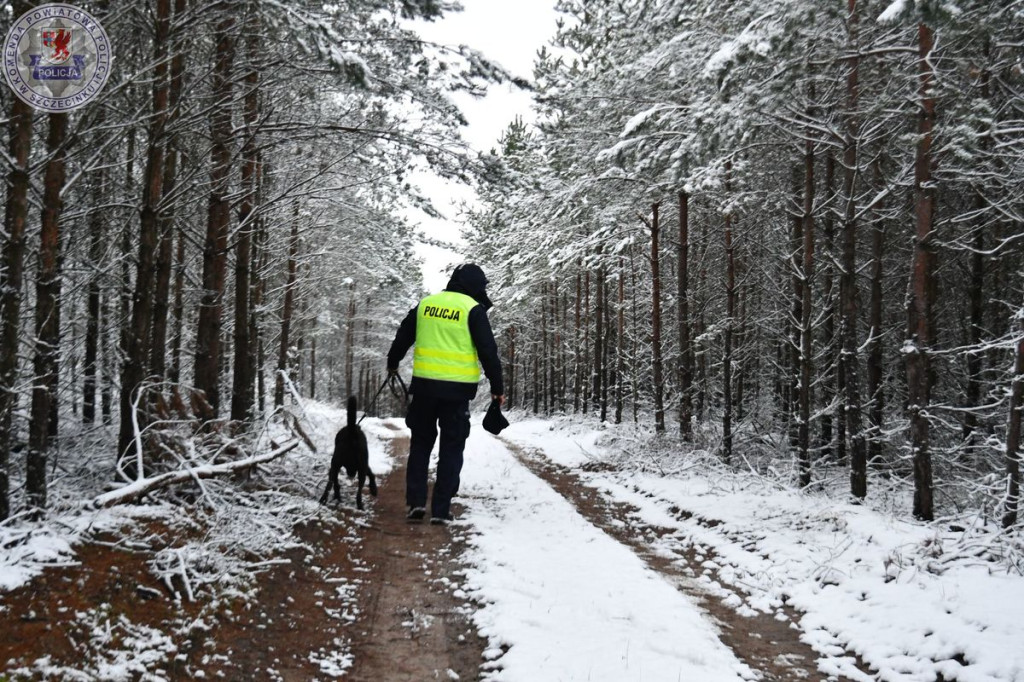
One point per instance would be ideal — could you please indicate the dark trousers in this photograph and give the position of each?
(424, 417)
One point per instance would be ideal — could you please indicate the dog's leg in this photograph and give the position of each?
(359, 490)
(373, 483)
(337, 487)
(327, 490)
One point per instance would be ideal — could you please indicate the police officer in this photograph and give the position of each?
(453, 338)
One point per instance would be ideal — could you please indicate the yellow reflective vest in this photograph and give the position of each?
(444, 347)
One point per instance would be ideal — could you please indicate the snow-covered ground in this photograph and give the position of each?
(239, 524)
(563, 601)
(915, 601)
(559, 599)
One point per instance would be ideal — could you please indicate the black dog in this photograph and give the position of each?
(350, 451)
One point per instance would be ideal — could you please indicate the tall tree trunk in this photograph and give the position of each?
(242, 394)
(208, 332)
(975, 292)
(137, 349)
(350, 336)
(806, 330)
(634, 353)
(919, 309)
(556, 345)
(683, 302)
(256, 287)
(108, 361)
(586, 341)
(511, 389)
(796, 313)
(620, 343)
(605, 362)
(15, 216)
(125, 299)
(831, 312)
(97, 232)
(312, 367)
(544, 355)
(47, 330)
(286, 314)
(659, 385)
(730, 312)
(599, 335)
(165, 248)
(848, 281)
(162, 280)
(876, 393)
(1011, 509)
(700, 327)
(174, 373)
(578, 353)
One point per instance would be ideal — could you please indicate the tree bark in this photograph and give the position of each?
(174, 373)
(286, 314)
(586, 341)
(919, 309)
(599, 334)
(976, 295)
(659, 386)
(165, 248)
(1011, 509)
(831, 313)
(125, 298)
(806, 330)
(730, 312)
(47, 330)
(15, 216)
(350, 335)
(876, 393)
(792, 385)
(620, 343)
(137, 349)
(97, 233)
(545, 356)
(848, 280)
(683, 302)
(242, 380)
(208, 332)
(578, 353)
(557, 401)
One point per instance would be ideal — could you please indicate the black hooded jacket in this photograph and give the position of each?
(467, 279)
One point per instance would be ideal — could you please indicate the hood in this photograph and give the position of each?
(469, 279)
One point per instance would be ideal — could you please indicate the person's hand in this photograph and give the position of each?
(499, 398)
(392, 372)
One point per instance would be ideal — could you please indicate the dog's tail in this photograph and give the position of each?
(352, 411)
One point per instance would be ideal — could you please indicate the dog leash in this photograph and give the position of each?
(398, 389)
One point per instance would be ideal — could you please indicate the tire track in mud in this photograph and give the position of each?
(768, 644)
(414, 628)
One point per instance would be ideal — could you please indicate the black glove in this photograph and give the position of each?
(494, 420)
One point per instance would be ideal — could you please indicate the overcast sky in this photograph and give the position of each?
(509, 33)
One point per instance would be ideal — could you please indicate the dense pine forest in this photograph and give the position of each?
(219, 231)
(787, 232)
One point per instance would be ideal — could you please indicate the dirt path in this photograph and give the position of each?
(767, 644)
(414, 628)
(361, 596)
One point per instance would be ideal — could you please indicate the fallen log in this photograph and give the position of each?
(141, 487)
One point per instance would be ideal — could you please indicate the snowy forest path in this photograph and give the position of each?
(411, 627)
(770, 646)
